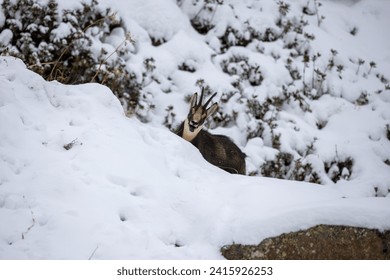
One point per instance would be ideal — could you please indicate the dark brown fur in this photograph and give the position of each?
(219, 150)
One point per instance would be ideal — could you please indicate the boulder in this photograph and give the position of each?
(322, 242)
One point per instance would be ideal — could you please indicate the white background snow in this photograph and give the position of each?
(130, 190)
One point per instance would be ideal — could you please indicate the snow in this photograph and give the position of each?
(132, 190)
(6, 36)
(160, 18)
(79, 179)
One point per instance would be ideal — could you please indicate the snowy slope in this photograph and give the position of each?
(337, 133)
(350, 131)
(126, 190)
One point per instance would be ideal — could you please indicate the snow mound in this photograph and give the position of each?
(79, 180)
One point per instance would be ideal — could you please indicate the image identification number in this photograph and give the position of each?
(265, 270)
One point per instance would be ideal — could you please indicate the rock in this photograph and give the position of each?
(319, 242)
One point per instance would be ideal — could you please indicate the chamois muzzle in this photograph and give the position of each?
(193, 125)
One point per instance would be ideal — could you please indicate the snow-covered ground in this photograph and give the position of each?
(79, 180)
(129, 190)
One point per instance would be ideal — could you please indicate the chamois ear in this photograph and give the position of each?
(193, 100)
(212, 110)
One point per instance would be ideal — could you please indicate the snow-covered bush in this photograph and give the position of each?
(202, 21)
(85, 44)
(243, 69)
(244, 35)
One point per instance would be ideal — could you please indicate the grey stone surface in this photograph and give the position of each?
(322, 242)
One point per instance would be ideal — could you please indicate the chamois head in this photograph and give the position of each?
(197, 115)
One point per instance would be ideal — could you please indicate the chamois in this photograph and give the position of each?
(219, 150)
